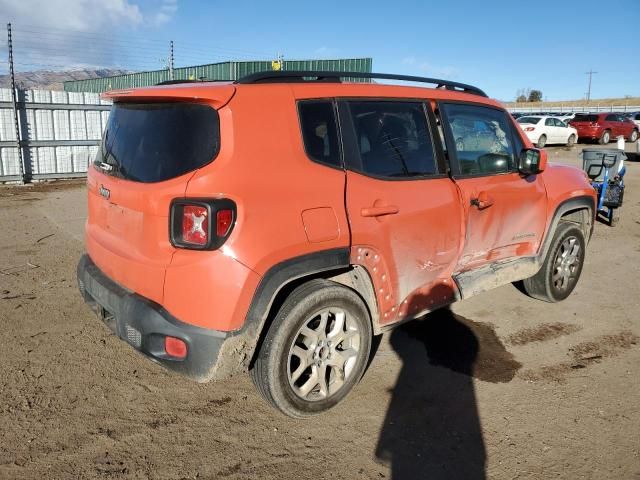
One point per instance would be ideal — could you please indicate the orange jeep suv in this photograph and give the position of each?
(276, 224)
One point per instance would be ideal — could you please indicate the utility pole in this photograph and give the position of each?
(14, 101)
(590, 73)
(171, 60)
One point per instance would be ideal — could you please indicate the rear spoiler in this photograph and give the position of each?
(217, 95)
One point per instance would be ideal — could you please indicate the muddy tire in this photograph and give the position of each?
(605, 138)
(316, 349)
(562, 267)
(542, 141)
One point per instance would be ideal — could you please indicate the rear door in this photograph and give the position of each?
(562, 129)
(404, 211)
(504, 212)
(148, 154)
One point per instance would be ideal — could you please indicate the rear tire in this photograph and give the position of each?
(542, 141)
(316, 349)
(571, 140)
(634, 136)
(562, 267)
(605, 138)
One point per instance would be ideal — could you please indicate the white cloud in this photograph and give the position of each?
(426, 68)
(82, 15)
(325, 51)
(167, 10)
(57, 34)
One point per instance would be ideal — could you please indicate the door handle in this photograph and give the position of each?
(379, 211)
(482, 201)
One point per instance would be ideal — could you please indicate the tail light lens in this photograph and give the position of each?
(529, 129)
(201, 224)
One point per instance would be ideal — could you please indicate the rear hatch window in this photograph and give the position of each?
(153, 142)
(529, 120)
(580, 117)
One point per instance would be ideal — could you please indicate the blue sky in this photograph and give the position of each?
(501, 46)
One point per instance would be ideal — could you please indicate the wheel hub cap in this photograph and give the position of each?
(323, 354)
(566, 264)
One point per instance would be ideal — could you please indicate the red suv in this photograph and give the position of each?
(604, 127)
(275, 224)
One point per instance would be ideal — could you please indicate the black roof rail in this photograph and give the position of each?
(193, 80)
(334, 77)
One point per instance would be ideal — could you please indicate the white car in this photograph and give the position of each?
(635, 118)
(543, 130)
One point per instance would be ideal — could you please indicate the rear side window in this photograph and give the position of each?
(483, 139)
(153, 142)
(585, 117)
(393, 139)
(320, 131)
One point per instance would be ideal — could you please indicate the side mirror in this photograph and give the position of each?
(532, 161)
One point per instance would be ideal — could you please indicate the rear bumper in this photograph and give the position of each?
(144, 324)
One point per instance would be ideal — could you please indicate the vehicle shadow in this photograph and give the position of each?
(432, 429)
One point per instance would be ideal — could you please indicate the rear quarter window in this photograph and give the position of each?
(320, 131)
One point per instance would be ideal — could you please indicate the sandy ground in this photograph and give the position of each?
(501, 387)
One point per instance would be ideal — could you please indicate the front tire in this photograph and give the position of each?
(571, 141)
(562, 267)
(605, 138)
(542, 141)
(634, 136)
(315, 351)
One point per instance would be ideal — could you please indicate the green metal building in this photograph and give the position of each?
(215, 71)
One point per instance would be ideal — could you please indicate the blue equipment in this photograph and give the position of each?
(605, 168)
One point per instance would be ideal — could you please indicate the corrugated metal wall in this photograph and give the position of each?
(60, 133)
(214, 71)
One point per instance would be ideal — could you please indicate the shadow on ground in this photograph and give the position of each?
(432, 429)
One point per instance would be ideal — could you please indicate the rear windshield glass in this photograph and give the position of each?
(153, 142)
(581, 117)
(531, 120)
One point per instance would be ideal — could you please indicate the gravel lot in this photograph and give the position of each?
(501, 387)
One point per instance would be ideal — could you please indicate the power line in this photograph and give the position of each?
(590, 73)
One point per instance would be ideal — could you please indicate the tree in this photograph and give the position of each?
(535, 96)
(521, 98)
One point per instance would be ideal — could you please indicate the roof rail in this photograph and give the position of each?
(193, 80)
(334, 77)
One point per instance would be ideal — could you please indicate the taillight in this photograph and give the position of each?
(201, 224)
(195, 224)
(529, 129)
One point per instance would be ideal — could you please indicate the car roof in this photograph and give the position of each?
(309, 84)
(212, 90)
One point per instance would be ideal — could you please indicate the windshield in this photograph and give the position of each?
(530, 120)
(153, 142)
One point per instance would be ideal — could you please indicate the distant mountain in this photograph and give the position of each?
(51, 80)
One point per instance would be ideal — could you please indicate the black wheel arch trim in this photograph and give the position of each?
(569, 205)
(241, 344)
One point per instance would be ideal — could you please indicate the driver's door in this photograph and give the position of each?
(505, 212)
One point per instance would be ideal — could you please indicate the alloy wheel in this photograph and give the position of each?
(323, 354)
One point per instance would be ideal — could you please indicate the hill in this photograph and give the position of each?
(53, 80)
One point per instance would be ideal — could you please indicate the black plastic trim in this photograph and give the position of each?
(126, 313)
(282, 273)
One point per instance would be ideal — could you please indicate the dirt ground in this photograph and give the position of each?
(502, 386)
